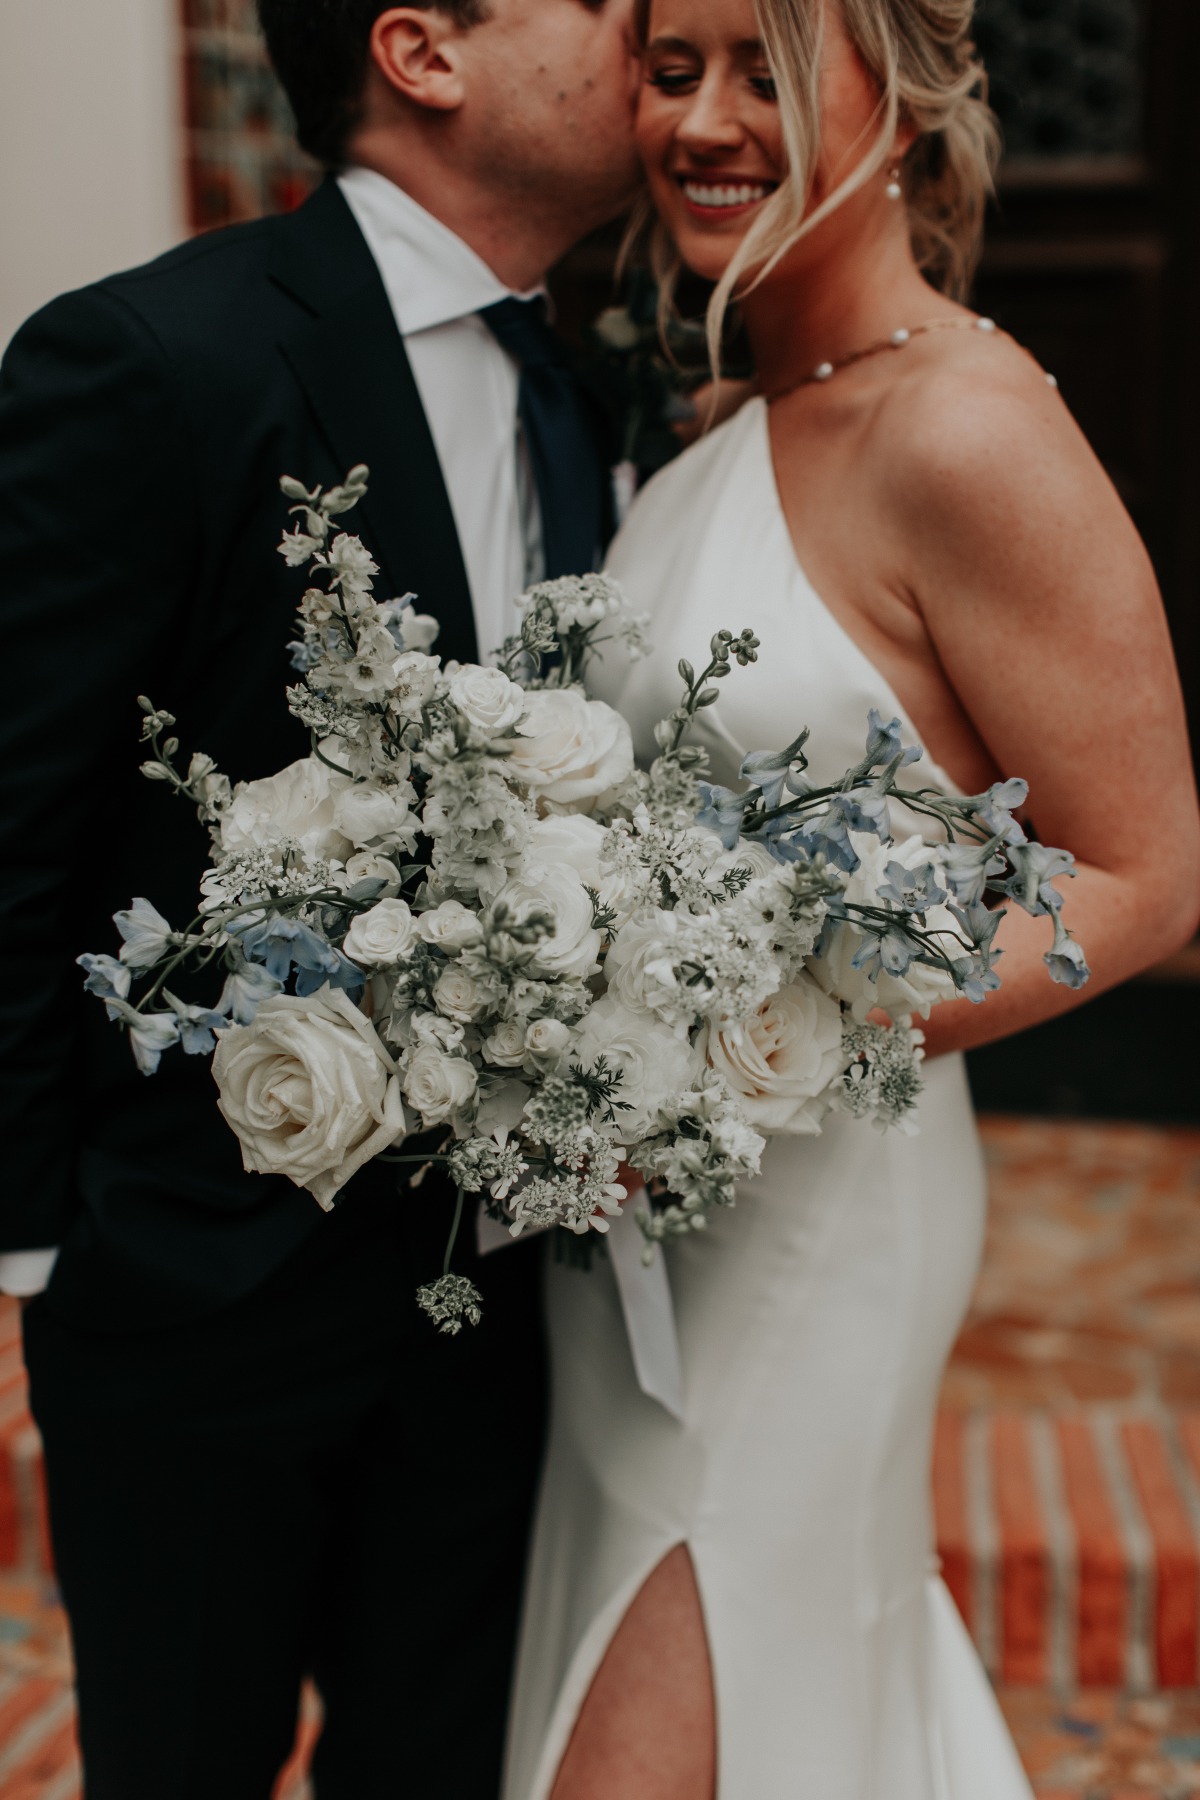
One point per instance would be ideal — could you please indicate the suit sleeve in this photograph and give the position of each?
(97, 534)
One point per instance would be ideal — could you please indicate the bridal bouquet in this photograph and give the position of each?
(465, 913)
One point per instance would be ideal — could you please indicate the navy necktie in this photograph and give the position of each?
(568, 468)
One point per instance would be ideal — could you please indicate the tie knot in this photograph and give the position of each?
(520, 327)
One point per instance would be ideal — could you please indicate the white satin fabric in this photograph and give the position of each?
(814, 1319)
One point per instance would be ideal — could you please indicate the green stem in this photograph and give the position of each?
(458, 1213)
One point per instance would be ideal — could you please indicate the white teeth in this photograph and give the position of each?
(724, 195)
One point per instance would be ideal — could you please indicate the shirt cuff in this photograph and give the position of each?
(24, 1273)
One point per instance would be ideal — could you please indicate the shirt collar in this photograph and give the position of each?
(432, 277)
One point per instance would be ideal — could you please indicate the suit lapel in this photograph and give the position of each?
(349, 358)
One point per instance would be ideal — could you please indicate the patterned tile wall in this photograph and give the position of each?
(242, 158)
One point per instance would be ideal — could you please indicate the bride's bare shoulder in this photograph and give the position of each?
(977, 452)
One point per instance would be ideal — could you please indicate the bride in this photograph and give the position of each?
(746, 1603)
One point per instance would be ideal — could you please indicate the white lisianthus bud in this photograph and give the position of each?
(383, 937)
(440, 1087)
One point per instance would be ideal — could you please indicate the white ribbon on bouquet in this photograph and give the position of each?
(645, 1293)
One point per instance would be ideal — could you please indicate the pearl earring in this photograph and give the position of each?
(894, 190)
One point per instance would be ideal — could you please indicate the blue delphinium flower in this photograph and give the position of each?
(146, 933)
(768, 770)
(1035, 868)
(885, 745)
(974, 982)
(912, 890)
(244, 992)
(967, 869)
(889, 949)
(721, 812)
(198, 1026)
(150, 1034)
(996, 808)
(106, 976)
(283, 944)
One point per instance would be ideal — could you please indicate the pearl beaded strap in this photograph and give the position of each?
(899, 340)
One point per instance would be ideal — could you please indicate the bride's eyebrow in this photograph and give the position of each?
(676, 44)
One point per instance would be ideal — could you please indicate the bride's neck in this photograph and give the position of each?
(828, 299)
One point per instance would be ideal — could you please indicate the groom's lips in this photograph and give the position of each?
(713, 197)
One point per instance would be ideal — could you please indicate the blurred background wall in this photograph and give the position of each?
(91, 152)
(125, 123)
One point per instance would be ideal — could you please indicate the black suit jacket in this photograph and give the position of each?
(144, 424)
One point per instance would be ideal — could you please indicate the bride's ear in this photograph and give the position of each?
(416, 52)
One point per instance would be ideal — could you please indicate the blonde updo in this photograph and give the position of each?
(924, 62)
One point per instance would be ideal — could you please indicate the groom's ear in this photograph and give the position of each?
(417, 54)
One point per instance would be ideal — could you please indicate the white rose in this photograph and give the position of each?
(299, 803)
(487, 699)
(382, 937)
(377, 816)
(781, 1061)
(309, 1090)
(746, 854)
(921, 987)
(655, 1063)
(546, 1043)
(505, 1046)
(460, 996)
(450, 926)
(573, 950)
(570, 749)
(437, 1085)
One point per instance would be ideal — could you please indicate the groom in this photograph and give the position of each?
(262, 1461)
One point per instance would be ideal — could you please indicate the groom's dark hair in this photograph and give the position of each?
(320, 51)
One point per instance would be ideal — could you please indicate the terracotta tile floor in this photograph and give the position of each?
(1090, 1297)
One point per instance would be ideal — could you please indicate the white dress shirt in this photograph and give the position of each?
(468, 388)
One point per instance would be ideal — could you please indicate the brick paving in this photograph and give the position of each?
(1066, 1480)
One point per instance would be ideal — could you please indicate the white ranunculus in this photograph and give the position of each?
(746, 854)
(459, 995)
(383, 937)
(780, 1062)
(450, 926)
(299, 802)
(637, 947)
(655, 1063)
(309, 1090)
(487, 699)
(570, 749)
(505, 1045)
(921, 987)
(560, 862)
(438, 1086)
(377, 817)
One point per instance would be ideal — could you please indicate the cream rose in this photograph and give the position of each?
(505, 1046)
(383, 937)
(438, 1086)
(309, 1090)
(369, 865)
(487, 699)
(628, 967)
(560, 862)
(546, 1043)
(570, 749)
(300, 802)
(460, 996)
(782, 1060)
(654, 1062)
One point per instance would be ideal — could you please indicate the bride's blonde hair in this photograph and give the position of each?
(928, 74)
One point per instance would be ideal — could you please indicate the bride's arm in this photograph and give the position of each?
(1044, 612)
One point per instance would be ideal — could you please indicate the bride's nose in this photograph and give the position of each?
(711, 122)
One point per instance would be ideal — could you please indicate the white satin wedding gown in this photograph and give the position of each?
(814, 1318)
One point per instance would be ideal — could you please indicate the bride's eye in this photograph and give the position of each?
(672, 80)
(764, 86)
